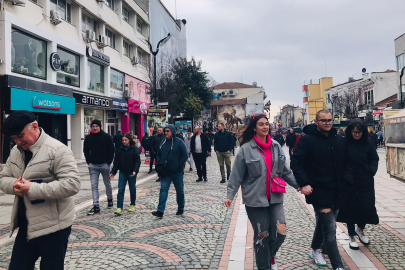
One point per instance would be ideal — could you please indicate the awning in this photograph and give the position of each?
(377, 112)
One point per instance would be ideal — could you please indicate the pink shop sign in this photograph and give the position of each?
(135, 106)
(138, 88)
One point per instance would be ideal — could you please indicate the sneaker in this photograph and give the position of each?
(353, 243)
(318, 257)
(191, 169)
(223, 181)
(205, 179)
(118, 211)
(157, 214)
(150, 172)
(131, 208)
(179, 212)
(199, 180)
(110, 203)
(339, 268)
(273, 263)
(158, 180)
(94, 210)
(362, 236)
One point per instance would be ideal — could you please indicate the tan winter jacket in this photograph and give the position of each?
(55, 165)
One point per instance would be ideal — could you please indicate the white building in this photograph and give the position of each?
(76, 56)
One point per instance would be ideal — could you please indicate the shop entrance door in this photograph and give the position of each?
(112, 129)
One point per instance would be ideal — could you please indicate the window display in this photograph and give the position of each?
(28, 55)
(95, 77)
(89, 116)
(69, 72)
(117, 80)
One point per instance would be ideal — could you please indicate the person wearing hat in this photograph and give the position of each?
(99, 152)
(42, 174)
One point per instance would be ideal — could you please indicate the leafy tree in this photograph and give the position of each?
(188, 78)
(193, 106)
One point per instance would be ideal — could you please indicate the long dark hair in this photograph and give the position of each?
(129, 137)
(250, 132)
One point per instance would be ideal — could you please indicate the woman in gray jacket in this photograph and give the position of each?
(259, 160)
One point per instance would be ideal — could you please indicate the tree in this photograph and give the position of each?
(348, 103)
(193, 106)
(187, 77)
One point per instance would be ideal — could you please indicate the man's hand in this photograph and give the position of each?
(21, 188)
(209, 154)
(133, 174)
(112, 177)
(216, 152)
(306, 190)
(228, 202)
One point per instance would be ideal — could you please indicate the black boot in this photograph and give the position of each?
(157, 214)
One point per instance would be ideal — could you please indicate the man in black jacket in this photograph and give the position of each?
(290, 141)
(155, 147)
(223, 144)
(117, 139)
(318, 166)
(152, 156)
(199, 148)
(279, 138)
(99, 152)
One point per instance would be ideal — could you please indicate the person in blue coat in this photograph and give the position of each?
(171, 157)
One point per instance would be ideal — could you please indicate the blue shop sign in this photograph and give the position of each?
(41, 102)
(120, 105)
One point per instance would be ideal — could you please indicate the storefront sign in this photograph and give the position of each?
(135, 106)
(120, 105)
(183, 125)
(138, 88)
(98, 56)
(55, 61)
(93, 101)
(156, 118)
(40, 102)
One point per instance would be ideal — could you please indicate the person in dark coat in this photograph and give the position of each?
(358, 197)
(144, 142)
(234, 143)
(155, 143)
(127, 161)
(318, 165)
(279, 138)
(290, 141)
(373, 138)
(117, 139)
(199, 148)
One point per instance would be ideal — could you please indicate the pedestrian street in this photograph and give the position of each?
(209, 235)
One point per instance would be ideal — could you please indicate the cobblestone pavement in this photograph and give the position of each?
(206, 236)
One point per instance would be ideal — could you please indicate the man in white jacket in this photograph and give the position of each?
(42, 173)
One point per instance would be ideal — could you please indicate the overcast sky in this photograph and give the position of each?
(282, 43)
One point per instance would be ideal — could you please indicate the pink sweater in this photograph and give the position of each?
(268, 160)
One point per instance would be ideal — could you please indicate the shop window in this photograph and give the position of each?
(95, 77)
(139, 26)
(28, 55)
(116, 80)
(125, 14)
(88, 23)
(127, 48)
(69, 72)
(63, 8)
(111, 35)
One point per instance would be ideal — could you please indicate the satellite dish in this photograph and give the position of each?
(363, 70)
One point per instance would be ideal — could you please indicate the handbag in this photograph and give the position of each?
(161, 167)
(277, 184)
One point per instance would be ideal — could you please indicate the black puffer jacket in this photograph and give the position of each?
(280, 139)
(290, 140)
(127, 161)
(318, 161)
(357, 204)
(223, 141)
(99, 148)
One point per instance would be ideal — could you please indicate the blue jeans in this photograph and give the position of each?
(122, 182)
(164, 190)
(350, 228)
(325, 232)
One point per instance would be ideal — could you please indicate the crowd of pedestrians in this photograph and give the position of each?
(334, 172)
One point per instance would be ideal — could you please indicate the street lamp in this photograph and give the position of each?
(154, 53)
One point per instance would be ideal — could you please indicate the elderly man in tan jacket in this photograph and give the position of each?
(42, 173)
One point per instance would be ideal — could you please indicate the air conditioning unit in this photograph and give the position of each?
(128, 94)
(104, 41)
(134, 61)
(55, 17)
(232, 93)
(90, 35)
(19, 2)
(224, 93)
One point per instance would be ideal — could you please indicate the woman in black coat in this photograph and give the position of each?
(127, 161)
(357, 205)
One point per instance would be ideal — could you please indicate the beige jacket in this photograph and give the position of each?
(54, 163)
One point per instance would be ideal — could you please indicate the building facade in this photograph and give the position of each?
(314, 98)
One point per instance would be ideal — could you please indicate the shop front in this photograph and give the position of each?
(88, 108)
(50, 110)
(119, 112)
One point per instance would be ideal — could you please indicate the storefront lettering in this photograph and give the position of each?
(95, 101)
(46, 104)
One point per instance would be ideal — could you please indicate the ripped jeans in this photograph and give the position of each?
(269, 232)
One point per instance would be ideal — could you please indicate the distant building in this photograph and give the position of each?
(314, 98)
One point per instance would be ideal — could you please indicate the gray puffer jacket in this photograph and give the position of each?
(250, 171)
(54, 164)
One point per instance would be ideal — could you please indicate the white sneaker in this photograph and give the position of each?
(339, 268)
(353, 243)
(318, 257)
(274, 266)
(362, 236)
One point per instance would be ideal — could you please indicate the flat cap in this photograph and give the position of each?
(16, 122)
